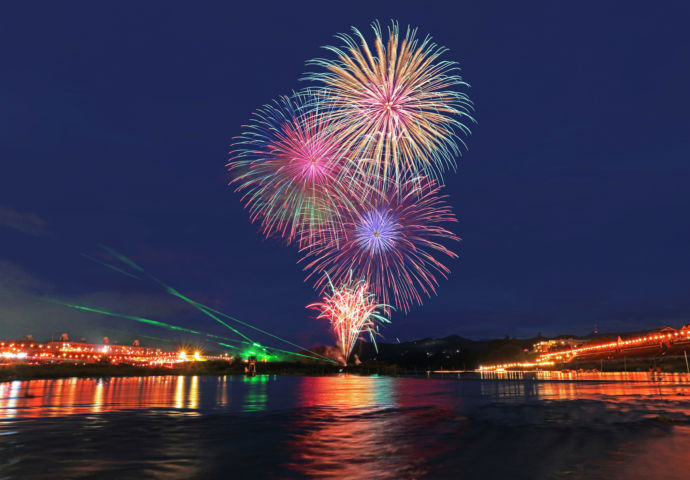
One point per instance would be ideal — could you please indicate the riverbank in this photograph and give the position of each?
(670, 364)
(28, 372)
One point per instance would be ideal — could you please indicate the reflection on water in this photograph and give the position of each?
(354, 427)
(346, 391)
(570, 375)
(222, 391)
(256, 397)
(68, 396)
(331, 436)
(556, 425)
(341, 394)
(615, 386)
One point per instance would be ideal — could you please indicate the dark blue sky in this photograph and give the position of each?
(115, 122)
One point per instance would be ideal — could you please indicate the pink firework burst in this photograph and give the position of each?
(350, 309)
(290, 169)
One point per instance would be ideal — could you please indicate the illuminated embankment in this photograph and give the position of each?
(81, 352)
(515, 366)
(665, 342)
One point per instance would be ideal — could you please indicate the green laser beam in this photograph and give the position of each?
(147, 321)
(168, 289)
(270, 334)
(228, 346)
(169, 326)
(112, 267)
(134, 265)
(172, 291)
(206, 309)
(272, 349)
(121, 257)
(294, 353)
(200, 307)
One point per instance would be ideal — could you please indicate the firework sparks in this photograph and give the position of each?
(350, 170)
(351, 309)
(396, 107)
(290, 169)
(390, 240)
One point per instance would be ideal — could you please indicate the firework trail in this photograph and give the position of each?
(391, 241)
(395, 106)
(350, 309)
(290, 168)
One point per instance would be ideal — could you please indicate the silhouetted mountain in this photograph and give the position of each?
(455, 352)
(452, 352)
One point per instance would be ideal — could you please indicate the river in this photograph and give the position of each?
(341, 427)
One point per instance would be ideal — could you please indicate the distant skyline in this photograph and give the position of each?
(116, 120)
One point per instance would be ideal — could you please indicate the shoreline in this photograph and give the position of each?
(22, 372)
(43, 372)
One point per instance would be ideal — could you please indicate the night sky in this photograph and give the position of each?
(116, 120)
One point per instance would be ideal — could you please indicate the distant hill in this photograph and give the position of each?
(456, 352)
(452, 352)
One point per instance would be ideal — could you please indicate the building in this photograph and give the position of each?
(557, 344)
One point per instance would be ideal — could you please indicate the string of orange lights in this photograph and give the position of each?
(81, 352)
(667, 340)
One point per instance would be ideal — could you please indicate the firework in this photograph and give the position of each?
(396, 106)
(290, 169)
(391, 240)
(351, 169)
(351, 309)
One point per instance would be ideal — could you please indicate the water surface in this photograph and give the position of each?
(554, 426)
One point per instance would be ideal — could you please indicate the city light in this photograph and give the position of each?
(84, 353)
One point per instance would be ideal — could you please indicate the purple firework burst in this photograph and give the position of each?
(390, 240)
